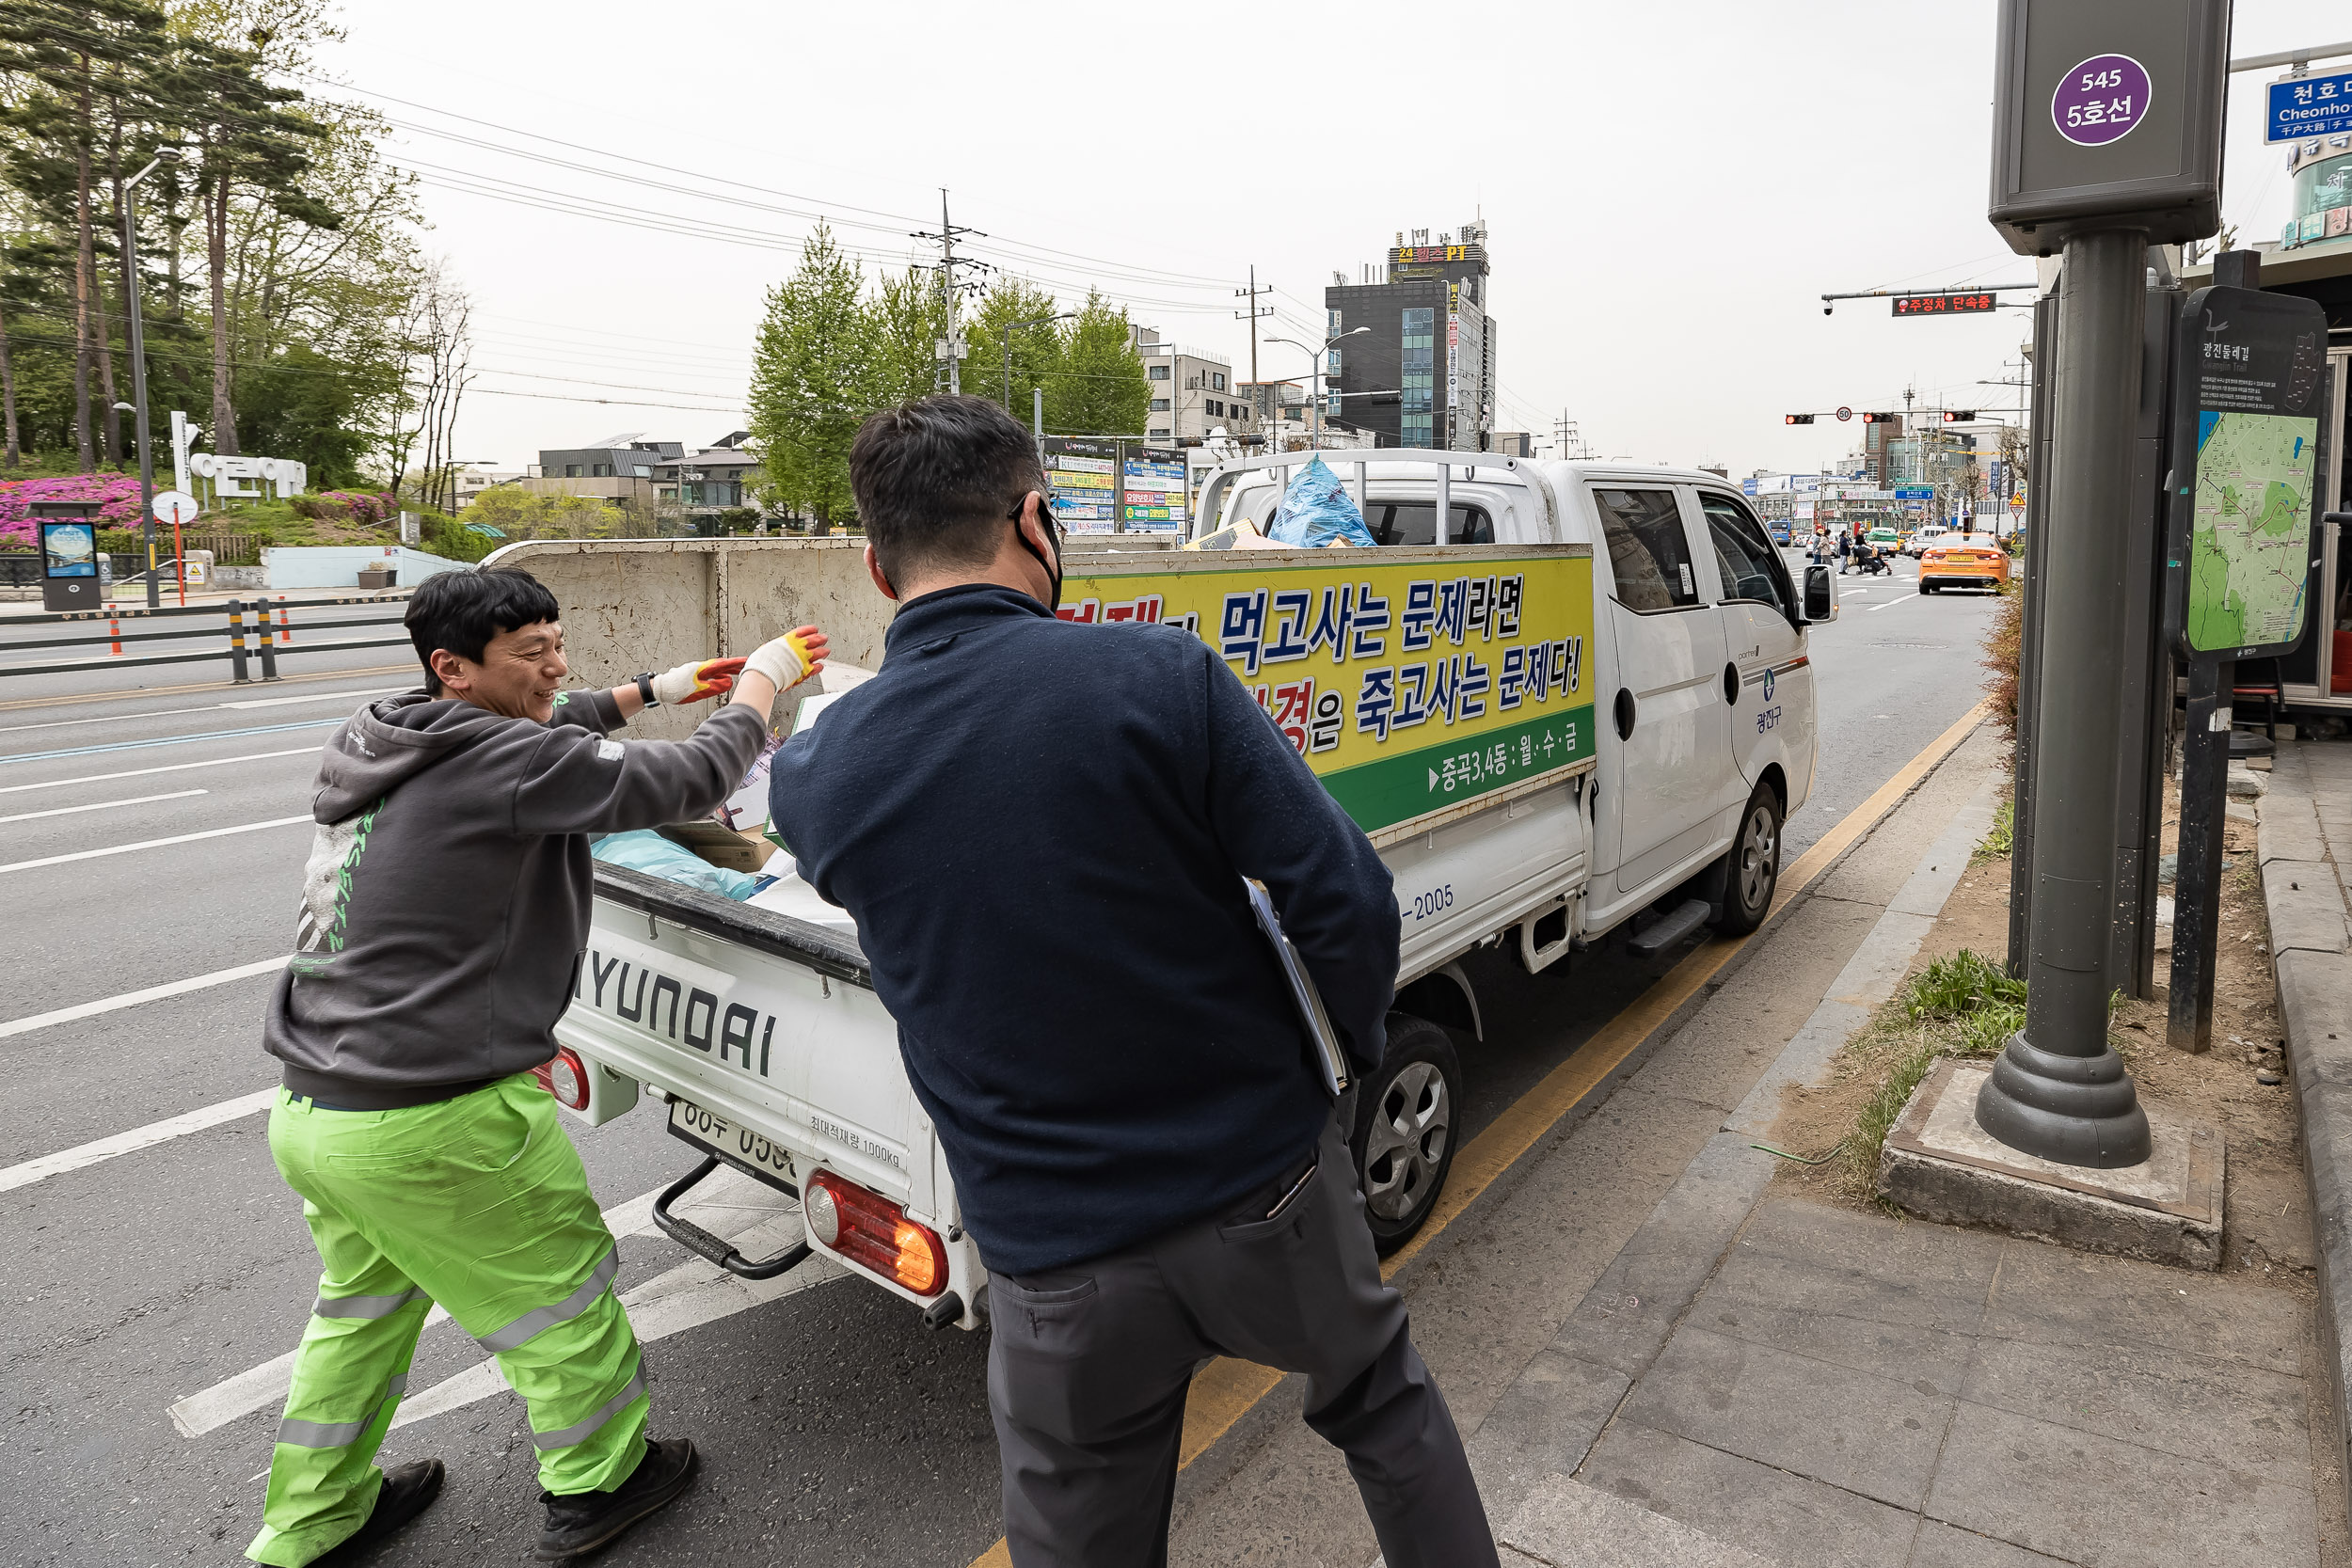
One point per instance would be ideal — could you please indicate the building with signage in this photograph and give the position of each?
(1193, 392)
(1421, 372)
(2319, 193)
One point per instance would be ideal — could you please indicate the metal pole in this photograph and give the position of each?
(2059, 1089)
(947, 271)
(138, 390)
(2197, 884)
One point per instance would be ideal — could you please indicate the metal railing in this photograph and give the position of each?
(272, 630)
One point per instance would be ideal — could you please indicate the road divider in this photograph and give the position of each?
(135, 998)
(151, 843)
(167, 767)
(270, 640)
(102, 805)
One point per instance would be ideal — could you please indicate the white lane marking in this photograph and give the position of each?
(167, 767)
(102, 805)
(137, 1138)
(258, 1387)
(153, 844)
(210, 707)
(133, 998)
(1892, 603)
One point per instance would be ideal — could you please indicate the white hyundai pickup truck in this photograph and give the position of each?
(1565, 700)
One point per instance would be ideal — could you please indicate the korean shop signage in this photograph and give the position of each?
(1411, 682)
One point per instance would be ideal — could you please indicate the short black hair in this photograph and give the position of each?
(461, 611)
(936, 479)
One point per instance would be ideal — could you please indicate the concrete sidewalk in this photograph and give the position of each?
(1759, 1378)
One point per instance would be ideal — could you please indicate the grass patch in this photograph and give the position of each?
(2002, 841)
(1960, 1005)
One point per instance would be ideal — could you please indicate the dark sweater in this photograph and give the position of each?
(1041, 828)
(445, 906)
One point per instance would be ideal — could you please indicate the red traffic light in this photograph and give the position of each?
(1796, 418)
(1878, 419)
(1960, 415)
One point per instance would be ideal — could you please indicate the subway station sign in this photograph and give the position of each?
(1411, 682)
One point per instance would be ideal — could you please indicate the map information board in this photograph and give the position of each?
(2245, 464)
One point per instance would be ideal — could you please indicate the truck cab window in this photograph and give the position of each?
(1648, 552)
(1750, 568)
(1416, 523)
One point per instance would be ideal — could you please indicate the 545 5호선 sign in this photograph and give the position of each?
(1412, 681)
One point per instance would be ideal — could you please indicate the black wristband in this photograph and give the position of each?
(645, 689)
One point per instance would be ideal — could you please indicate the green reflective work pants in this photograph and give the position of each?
(478, 1203)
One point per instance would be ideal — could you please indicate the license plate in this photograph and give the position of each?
(740, 1147)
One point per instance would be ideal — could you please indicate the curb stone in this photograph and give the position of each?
(2305, 902)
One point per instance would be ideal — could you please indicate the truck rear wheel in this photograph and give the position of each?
(1405, 1118)
(1752, 866)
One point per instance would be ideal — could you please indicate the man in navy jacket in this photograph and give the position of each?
(1042, 830)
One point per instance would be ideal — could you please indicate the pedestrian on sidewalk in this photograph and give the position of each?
(1041, 829)
(444, 912)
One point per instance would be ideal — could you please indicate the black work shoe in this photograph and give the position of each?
(406, 1493)
(580, 1522)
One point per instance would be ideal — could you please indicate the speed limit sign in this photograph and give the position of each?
(175, 508)
(1844, 414)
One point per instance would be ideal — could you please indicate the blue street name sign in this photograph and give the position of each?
(1913, 492)
(2302, 106)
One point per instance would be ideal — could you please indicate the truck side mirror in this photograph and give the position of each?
(1821, 595)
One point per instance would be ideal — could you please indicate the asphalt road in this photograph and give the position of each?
(835, 1429)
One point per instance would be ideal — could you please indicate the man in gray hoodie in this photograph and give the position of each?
(444, 912)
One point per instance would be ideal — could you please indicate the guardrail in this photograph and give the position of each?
(272, 629)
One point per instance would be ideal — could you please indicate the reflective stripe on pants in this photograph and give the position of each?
(479, 1203)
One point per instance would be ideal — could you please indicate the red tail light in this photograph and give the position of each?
(565, 1076)
(873, 1232)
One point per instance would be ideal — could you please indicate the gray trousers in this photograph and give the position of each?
(1087, 1369)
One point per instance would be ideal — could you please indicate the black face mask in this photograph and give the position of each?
(1053, 567)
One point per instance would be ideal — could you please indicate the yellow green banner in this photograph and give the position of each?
(1411, 682)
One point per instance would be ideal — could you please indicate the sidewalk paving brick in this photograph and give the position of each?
(1818, 1384)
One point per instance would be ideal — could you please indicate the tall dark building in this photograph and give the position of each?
(1422, 371)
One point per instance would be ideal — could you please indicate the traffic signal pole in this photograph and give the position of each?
(2058, 1090)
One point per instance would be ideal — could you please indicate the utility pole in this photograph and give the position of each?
(950, 348)
(1252, 315)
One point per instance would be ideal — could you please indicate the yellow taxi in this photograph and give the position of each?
(1963, 560)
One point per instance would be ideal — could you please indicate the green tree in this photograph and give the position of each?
(1099, 389)
(1036, 350)
(814, 378)
(907, 323)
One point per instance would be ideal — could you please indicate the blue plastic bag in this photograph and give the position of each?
(647, 852)
(1316, 510)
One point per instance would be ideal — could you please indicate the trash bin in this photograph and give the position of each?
(379, 576)
(74, 574)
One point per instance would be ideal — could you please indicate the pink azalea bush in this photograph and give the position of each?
(357, 506)
(117, 497)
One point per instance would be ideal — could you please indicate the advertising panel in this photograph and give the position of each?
(1156, 480)
(1411, 682)
(69, 550)
(1082, 475)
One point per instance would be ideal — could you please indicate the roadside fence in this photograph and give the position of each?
(271, 624)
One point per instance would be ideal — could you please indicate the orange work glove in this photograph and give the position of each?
(695, 680)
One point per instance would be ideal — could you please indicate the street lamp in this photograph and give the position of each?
(1315, 374)
(1015, 327)
(165, 156)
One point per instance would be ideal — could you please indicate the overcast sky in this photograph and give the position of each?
(1670, 187)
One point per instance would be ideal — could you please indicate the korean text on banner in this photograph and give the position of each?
(1410, 689)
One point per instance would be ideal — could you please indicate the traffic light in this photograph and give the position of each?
(1796, 418)
(1878, 419)
(1960, 415)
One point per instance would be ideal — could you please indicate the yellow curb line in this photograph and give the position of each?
(1226, 1389)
